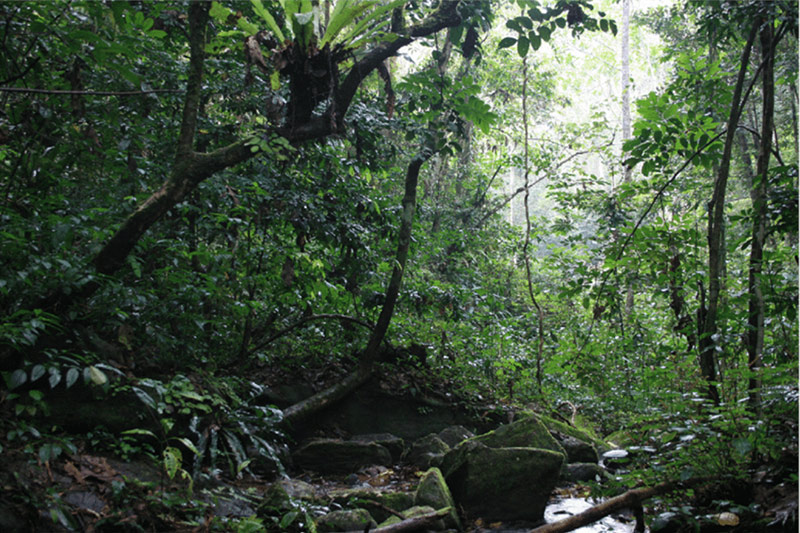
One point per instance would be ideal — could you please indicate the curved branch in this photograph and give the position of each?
(444, 17)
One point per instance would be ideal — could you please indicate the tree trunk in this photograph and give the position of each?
(716, 220)
(758, 194)
(304, 408)
(625, 59)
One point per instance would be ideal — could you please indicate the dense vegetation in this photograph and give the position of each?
(199, 200)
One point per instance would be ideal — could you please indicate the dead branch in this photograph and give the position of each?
(629, 500)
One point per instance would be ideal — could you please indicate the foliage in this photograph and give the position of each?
(278, 265)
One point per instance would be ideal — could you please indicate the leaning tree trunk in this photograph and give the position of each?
(716, 222)
(322, 399)
(758, 194)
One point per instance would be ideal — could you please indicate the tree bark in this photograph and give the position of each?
(758, 194)
(716, 222)
(358, 377)
(625, 59)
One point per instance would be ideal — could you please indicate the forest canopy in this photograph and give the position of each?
(517, 205)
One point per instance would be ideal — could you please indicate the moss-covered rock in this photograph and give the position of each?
(417, 510)
(346, 520)
(511, 483)
(334, 456)
(455, 435)
(362, 497)
(433, 491)
(281, 493)
(393, 443)
(584, 434)
(427, 451)
(526, 432)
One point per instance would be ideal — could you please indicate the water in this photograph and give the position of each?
(566, 507)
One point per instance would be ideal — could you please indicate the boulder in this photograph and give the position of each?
(527, 432)
(365, 496)
(433, 491)
(581, 432)
(346, 520)
(393, 443)
(427, 451)
(281, 493)
(455, 435)
(578, 451)
(334, 456)
(512, 483)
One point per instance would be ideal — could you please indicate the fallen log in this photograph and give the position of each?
(418, 523)
(629, 500)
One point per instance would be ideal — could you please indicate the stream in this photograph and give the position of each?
(562, 508)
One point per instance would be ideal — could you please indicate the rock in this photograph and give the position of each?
(281, 493)
(396, 501)
(455, 435)
(346, 520)
(433, 491)
(393, 443)
(415, 511)
(578, 451)
(427, 451)
(613, 460)
(577, 472)
(334, 456)
(502, 483)
(527, 432)
(579, 433)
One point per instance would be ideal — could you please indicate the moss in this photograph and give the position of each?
(527, 432)
(433, 491)
(580, 433)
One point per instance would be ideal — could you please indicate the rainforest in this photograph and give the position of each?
(399, 265)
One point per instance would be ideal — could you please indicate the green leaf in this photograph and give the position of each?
(522, 46)
(536, 41)
(139, 432)
(262, 12)
(37, 372)
(55, 376)
(97, 376)
(506, 42)
(36, 395)
(189, 445)
(604, 24)
(172, 460)
(288, 518)
(144, 397)
(742, 446)
(17, 378)
(72, 376)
